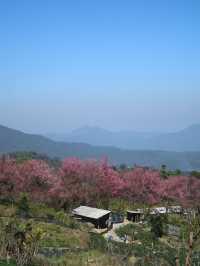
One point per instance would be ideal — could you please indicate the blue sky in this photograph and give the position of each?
(116, 64)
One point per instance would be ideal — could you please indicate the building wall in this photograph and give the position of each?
(134, 217)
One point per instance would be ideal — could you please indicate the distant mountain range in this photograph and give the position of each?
(12, 140)
(187, 139)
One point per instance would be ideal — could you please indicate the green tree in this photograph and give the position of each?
(163, 171)
(157, 223)
(23, 209)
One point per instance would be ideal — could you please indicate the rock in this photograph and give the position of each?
(132, 260)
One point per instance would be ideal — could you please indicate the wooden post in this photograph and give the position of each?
(177, 261)
(188, 261)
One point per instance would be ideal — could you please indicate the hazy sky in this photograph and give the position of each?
(129, 64)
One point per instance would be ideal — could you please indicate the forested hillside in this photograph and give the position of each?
(13, 140)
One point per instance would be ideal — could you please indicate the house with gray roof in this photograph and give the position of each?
(98, 217)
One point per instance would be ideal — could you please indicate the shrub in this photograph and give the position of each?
(127, 230)
(66, 220)
(157, 223)
(97, 242)
(23, 209)
(20, 241)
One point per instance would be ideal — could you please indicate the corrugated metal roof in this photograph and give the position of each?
(90, 212)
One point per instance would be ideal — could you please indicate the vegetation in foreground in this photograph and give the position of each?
(47, 236)
(37, 229)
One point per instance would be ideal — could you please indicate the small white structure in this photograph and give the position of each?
(98, 217)
(159, 210)
(164, 210)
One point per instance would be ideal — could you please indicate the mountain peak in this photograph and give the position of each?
(194, 128)
(90, 129)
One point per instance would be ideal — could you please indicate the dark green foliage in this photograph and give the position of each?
(97, 242)
(5, 263)
(157, 223)
(165, 173)
(24, 156)
(127, 230)
(135, 232)
(123, 167)
(177, 172)
(155, 255)
(146, 237)
(195, 174)
(23, 209)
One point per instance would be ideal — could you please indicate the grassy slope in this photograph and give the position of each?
(58, 236)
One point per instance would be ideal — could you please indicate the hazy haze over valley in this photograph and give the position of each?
(12, 140)
(186, 139)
